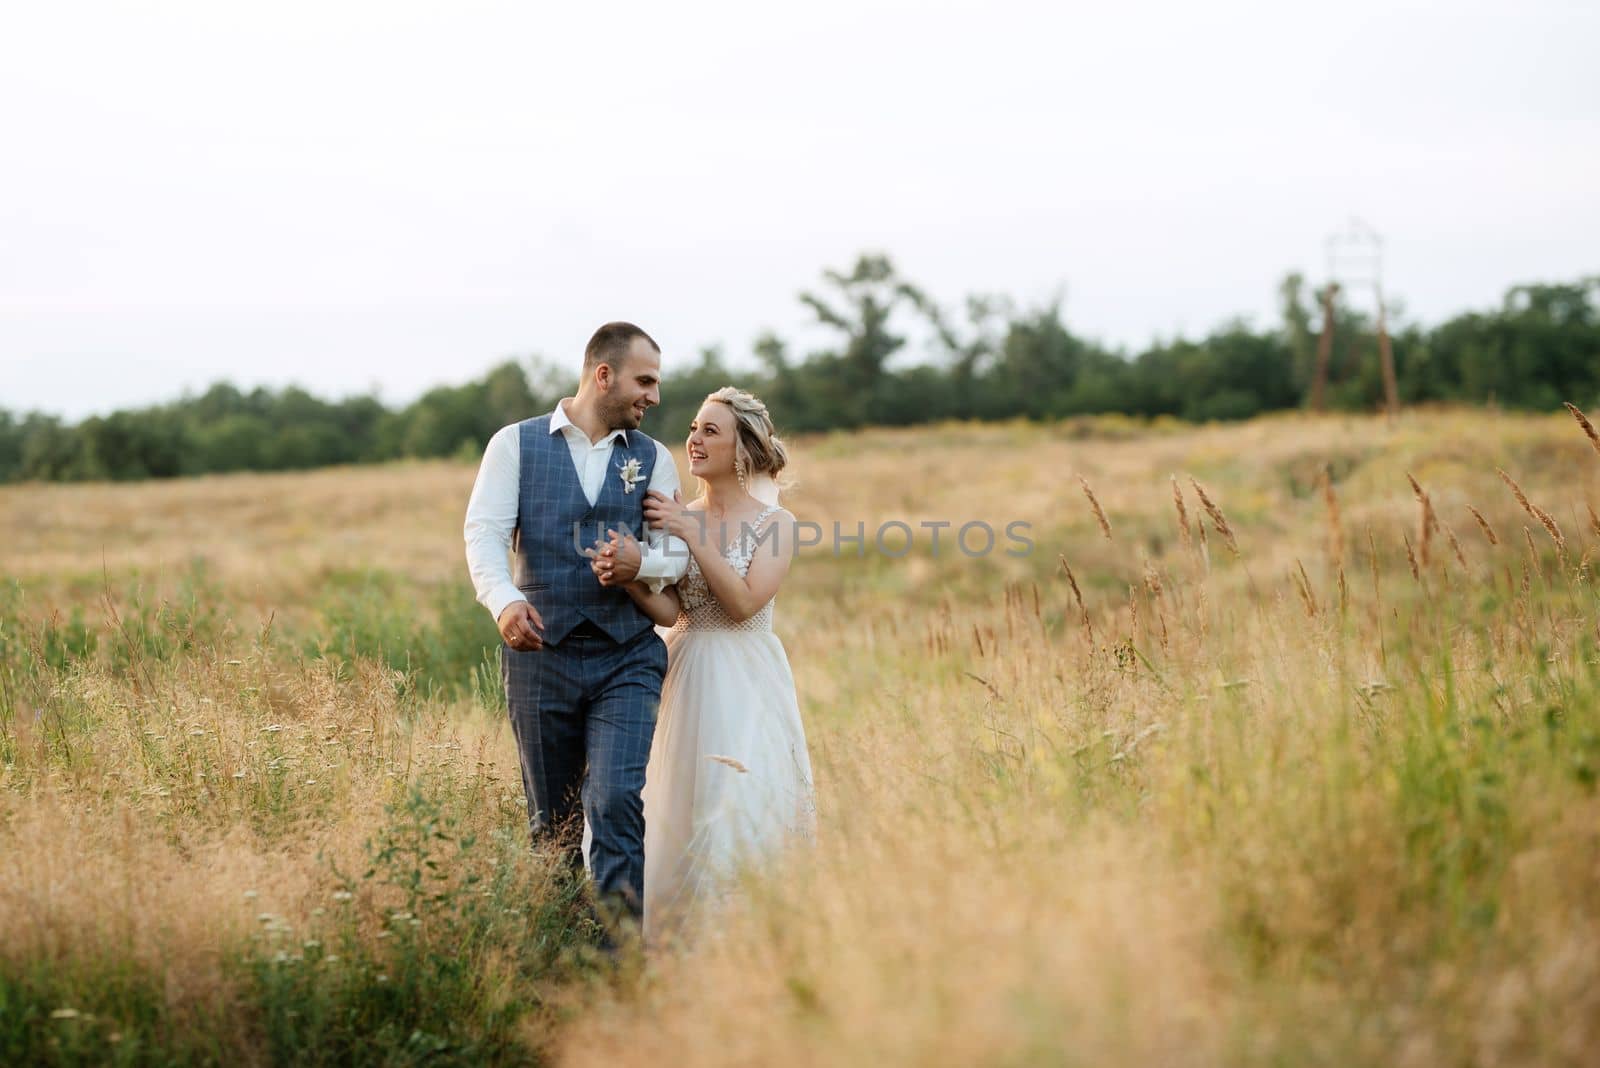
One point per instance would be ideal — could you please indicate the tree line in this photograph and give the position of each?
(987, 360)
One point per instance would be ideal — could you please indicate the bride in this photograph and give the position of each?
(729, 777)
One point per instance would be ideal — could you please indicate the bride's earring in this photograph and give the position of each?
(738, 469)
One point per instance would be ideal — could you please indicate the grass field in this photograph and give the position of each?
(1311, 780)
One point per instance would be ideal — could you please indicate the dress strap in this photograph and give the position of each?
(742, 545)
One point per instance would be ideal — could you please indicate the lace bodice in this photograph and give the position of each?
(701, 610)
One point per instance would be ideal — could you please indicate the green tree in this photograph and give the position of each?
(682, 393)
(853, 378)
(1297, 329)
(1045, 370)
(10, 446)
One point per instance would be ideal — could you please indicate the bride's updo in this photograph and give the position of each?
(758, 445)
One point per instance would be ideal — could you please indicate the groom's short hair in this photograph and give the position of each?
(610, 345)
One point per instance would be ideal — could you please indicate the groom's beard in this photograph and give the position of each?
(622, 417)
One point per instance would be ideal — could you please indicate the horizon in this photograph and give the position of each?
(531, 361)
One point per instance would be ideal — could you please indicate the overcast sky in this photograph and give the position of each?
(356, 196)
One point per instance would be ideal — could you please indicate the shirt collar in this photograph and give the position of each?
(559, 421)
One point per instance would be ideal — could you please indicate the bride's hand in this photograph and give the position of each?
(670, 515)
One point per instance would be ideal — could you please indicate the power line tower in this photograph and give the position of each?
(1355, 263)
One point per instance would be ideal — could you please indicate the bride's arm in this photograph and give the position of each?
(742, 598)
(662, 608)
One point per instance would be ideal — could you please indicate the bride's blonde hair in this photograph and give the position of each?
(757, 447)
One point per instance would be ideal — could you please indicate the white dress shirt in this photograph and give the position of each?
(492, 509)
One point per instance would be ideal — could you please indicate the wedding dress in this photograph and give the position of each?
(729, 777)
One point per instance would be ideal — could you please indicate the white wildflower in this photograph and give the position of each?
(632, 473)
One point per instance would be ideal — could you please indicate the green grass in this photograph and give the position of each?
(468, 934)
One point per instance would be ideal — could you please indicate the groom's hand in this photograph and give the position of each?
(521, 626)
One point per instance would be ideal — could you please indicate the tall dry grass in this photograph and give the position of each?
(1299, 802)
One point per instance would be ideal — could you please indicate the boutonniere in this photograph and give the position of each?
(631, 474)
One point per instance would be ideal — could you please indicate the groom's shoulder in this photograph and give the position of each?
(509, 438)
(530, 423)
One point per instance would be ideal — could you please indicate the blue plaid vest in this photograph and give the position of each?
(556, 522)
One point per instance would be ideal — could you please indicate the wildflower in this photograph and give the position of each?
(65, 1014)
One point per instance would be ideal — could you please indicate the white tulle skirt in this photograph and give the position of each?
(729, 778)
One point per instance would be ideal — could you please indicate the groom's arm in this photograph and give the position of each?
(491, 517)
(663, 558)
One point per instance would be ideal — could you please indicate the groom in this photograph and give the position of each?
(582, 665)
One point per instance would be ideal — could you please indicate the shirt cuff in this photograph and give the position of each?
(657, 568)
(497, 600)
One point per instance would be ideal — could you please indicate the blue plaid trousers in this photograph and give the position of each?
(583, 712)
